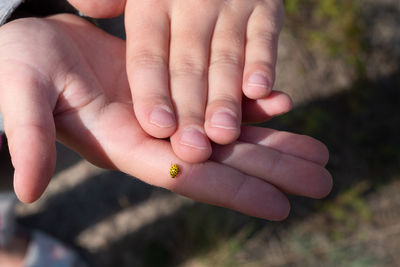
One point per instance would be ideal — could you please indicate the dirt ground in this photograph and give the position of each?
(116, 220)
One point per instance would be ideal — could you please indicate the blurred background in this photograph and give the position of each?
(340, 61)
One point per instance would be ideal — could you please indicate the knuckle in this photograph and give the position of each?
(268, 38)
(150, 99)
(228, 101)
(275, 164)
(274, 12)
(188, 66)
(226, 58)
(146, 58)
(191, 117)
(232, 37)
(277, 8)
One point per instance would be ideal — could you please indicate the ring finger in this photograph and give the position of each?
(223, 115)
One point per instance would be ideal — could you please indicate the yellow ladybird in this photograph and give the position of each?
(174, 170)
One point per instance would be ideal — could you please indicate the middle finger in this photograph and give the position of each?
(189, 49)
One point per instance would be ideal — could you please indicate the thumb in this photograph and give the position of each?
(29, 126)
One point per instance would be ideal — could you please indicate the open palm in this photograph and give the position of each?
(62, 77)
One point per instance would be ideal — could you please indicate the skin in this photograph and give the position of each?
(189, 62)
(61, 77)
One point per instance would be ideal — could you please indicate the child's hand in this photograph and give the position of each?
(62, 75)
(188, 62)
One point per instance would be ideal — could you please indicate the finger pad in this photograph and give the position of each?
(34, 162)
(262, 200)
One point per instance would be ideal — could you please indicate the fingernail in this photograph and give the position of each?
(162, 117)
(194, 138)
(224, 119)
(258, 80)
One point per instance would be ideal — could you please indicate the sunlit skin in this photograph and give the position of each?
(190, 61)
(61, 77)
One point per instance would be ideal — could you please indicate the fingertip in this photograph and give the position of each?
(223, 136)
(162, 117)
(257, 85)
(34, 158)
(277, 103)
(283, 212)
(284, 100)
(223, 127)
(25, 193)
(263, 200)
(324, 154)
(157, 120)
(260, 110)
(324, 187)
(317, 182)
(191, 145)
(306, 147)
(281, 208)
(29, 184)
